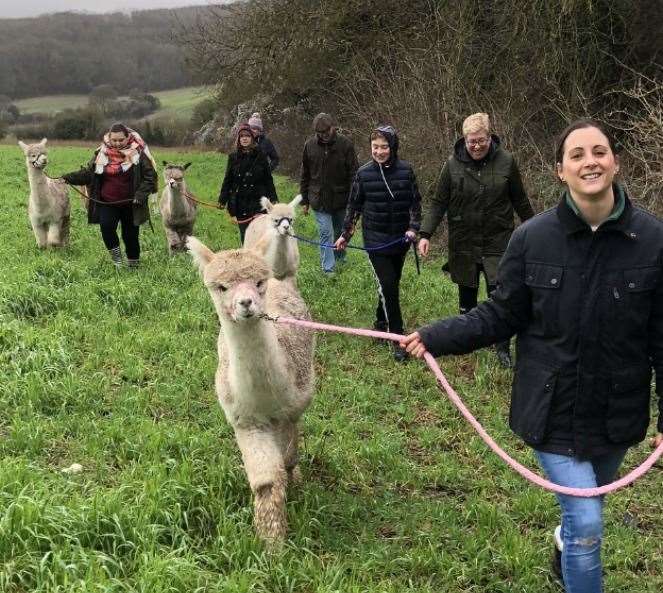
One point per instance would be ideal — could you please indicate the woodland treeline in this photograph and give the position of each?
(72, 53)
(423, 65)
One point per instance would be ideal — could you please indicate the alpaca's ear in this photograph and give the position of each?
(43, 142)
(185, 167)
(296, 200)
(24, 147)
(266, 204)
(201, 254)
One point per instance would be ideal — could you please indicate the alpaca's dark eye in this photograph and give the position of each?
(223, 288)
(260, 283)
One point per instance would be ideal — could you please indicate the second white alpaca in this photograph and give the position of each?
(270, 235)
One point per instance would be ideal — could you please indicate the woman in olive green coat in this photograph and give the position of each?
(479, 189)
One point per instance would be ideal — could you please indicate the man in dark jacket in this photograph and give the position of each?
(329, 164)
(478, 190)
(264, 143)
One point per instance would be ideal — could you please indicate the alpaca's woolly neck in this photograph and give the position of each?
(38, 188)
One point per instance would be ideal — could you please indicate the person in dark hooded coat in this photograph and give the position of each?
(386, 197)
(248, 178)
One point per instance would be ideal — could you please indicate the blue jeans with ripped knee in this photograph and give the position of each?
(582, 518)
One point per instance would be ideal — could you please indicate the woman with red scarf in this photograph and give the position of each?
(119, 179)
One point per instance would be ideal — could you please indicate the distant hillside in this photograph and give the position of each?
(71, 53)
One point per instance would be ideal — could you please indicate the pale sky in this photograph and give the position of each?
(29, 8)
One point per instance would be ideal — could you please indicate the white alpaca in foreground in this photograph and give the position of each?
(265, 378)
(270, 236)
(48, 205)
(178, 213)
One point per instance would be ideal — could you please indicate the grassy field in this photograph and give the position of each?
(114, 371)
(177, 102)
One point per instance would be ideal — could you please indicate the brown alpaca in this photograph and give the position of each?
(178, 213)
(48, 205)
(265, 378)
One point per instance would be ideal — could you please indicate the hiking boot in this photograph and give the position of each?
(400, 355)
(116, 257)
(132, 264)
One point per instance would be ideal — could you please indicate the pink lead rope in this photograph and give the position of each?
(455, 399)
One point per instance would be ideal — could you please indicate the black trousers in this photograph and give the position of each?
(468, 295)
(388, 269)
(242, 231)
(109, 218)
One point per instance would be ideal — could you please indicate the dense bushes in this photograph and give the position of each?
(423, 65)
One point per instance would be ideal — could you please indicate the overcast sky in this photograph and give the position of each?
(27, 8)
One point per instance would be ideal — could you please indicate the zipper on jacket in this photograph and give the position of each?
(385, 181)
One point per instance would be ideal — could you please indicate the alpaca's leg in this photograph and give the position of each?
(288, 443)
(64, 232)
(173, 240)
(41, 234)
(54, 236)
(263, 463)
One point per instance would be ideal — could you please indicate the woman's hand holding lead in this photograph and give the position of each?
(413, 345)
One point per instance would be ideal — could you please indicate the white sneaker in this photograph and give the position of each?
(559, 543)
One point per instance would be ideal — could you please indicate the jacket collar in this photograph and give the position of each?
(617, 221)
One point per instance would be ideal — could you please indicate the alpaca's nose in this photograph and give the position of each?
(246, 302)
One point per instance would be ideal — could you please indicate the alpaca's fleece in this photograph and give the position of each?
(178, 213)
(271, 236)
(48, 204)
(265, 378)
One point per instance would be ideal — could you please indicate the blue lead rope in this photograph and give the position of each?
(328, 246)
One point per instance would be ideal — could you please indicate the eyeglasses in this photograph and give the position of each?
(478, 142)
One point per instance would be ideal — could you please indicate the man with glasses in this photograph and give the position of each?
(479, 188)
(329, 164)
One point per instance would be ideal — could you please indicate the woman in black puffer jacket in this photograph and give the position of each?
(385, 194)
(248, 178)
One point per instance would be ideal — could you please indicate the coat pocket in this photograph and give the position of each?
(637, 294)
(627, 416)
(544, 282)
(531, 396)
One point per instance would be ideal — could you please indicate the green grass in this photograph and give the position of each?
(115, 371)
(175, 102)
(51, 104)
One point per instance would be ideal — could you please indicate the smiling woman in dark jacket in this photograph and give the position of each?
(385, 195)
(119, 179)
(581, 285)
(248, 178)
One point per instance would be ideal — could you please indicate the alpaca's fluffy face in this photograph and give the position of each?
(237, 281)
(37, 155)
(173, 175)
(281, 217)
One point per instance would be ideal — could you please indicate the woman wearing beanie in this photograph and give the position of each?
(478, 191)
(119, 178)
(263, 142)
(248, 178)
(386, 197)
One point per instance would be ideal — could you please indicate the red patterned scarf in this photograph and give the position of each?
(113, 161)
